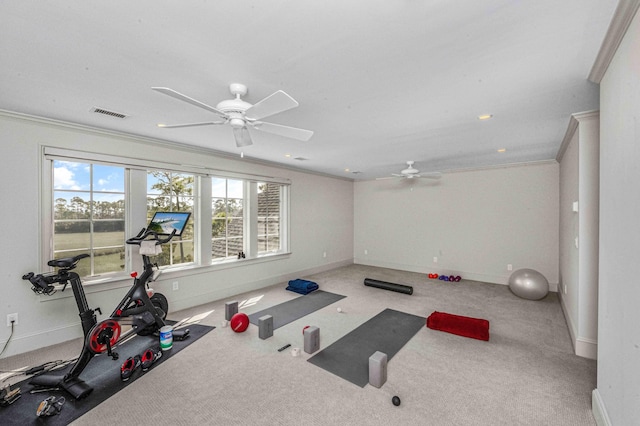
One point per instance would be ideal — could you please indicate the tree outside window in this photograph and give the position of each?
(172, 192)
(89, 215)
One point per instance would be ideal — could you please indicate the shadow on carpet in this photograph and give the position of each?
(102, 374)
(293, 309)
(387, 332)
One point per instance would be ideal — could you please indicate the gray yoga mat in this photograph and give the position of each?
(293, 309)
(387, 332)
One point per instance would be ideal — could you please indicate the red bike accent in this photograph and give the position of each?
(106, 329)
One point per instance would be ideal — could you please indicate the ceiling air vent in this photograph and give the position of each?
(107, 112)
(300, 158)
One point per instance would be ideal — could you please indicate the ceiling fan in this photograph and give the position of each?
(411, 173)
(241, 115)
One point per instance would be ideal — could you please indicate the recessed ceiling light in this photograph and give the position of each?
(287, 155)
(485, 116)
(346, 170)
(502, 150)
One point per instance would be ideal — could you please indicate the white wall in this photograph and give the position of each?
(569, 227)
(475, 222)
(579, 183)
(618, 392)
(321, 221)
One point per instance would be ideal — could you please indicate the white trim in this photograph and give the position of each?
(574, 120)
(163, 142)
(582, 346)
(587, 348)
(470, 276)
(218, 294)
(141, 163)
(491, 167)
(620, 22)
(599, 410)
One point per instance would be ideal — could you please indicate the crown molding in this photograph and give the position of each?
(160, 142)
(574, 120)
(622, 18)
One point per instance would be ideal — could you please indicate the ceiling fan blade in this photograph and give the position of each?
(272, 104)
(397, 175)
(431, 175)
(204, 123)
(386, 178)
(286, 131)
(243, 138)
(185, 98)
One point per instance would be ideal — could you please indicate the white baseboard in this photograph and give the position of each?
(599, 410)
(473, 276)
(36, 341)
(582, 346)
(223, 293)
(586, 348)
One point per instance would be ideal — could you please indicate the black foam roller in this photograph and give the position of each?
(388, 286)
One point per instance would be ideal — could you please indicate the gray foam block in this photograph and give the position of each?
(230, 309)
(265, 327)
(311, 339)
(378, 369)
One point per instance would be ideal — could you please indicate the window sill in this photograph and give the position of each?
(114, 281)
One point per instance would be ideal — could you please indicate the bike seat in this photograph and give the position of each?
(66, 262)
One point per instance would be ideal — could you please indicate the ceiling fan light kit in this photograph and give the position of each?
(241, 115)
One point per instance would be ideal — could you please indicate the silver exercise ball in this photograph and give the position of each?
(528, 284)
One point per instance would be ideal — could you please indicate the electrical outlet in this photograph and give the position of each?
(324, 254)
(509, 267)
(435, 259)
(12, 317)
(175, 285)
(366, 251)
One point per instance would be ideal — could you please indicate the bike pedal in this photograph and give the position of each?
(8, 397)
(50, 406)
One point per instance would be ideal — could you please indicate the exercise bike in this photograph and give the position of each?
(144, 312)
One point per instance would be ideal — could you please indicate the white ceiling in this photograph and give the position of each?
(379, 82)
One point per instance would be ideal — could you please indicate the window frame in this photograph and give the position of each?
(136, 213)
(227, 237)
(91, 220)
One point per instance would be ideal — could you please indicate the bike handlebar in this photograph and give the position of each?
(44, 283)
(144, 233)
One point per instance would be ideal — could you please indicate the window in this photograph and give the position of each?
(172, 192)
(89, 206)
(269, 196)
(97, 201)
(227, 222)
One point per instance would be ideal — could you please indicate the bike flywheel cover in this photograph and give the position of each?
(108, 328)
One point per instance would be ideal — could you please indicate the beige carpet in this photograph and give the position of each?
(525, 375)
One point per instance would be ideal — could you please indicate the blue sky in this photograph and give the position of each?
(108, 182)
